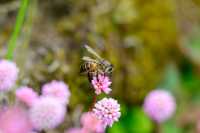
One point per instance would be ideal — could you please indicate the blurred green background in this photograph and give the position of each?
(152, 44)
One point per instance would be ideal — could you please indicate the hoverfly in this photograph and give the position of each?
(94, 66)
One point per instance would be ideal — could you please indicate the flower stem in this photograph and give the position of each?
(93, 102)
(17, 28)
(158, 128)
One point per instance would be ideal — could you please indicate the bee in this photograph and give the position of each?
(95, 66)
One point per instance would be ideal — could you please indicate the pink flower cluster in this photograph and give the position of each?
(26, 95)
(90, 124)
(48, 111)
(34, 112)
(57, 89)
(101, 84)
(8, 75)
(15, 120)
(107, 110)
(159, 105)
(41, 112)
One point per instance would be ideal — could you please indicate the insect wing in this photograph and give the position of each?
(88, 59)
(90, 50)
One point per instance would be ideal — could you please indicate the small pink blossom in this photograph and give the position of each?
(57, 89)
(101, 84)
(91, 123)
(26, 95)
(159, 105)
(15, 120)
(107, 110)
(47, 113)
(8, 75)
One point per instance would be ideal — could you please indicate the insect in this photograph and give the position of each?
(94, 66)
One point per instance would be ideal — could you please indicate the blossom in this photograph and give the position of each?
(159, 105)
(46, 113)
(107, 110)
(8, 74)
(58, 89)
(91, 123)
(26, 95)
(15, 120)
(101, 84)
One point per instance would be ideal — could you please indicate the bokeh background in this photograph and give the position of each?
(152, 44)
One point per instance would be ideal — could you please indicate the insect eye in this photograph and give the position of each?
(109, 70)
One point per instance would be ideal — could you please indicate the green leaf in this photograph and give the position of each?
(170, 127)
(171, 79)
(139, 122)
(117, 128)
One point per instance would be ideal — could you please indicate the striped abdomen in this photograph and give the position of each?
(88, 67)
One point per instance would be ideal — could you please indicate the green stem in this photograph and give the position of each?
(17, 28)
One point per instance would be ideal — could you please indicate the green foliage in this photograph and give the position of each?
(18, 26)
(170, 127)
(133, 121)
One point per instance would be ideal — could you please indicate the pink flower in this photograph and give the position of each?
(47, 113)
(107, 110)
(15, 120)
(159, 105)
(91, 123)
(8, 74)
(58, 89)
(26, 95)
(101, 84)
